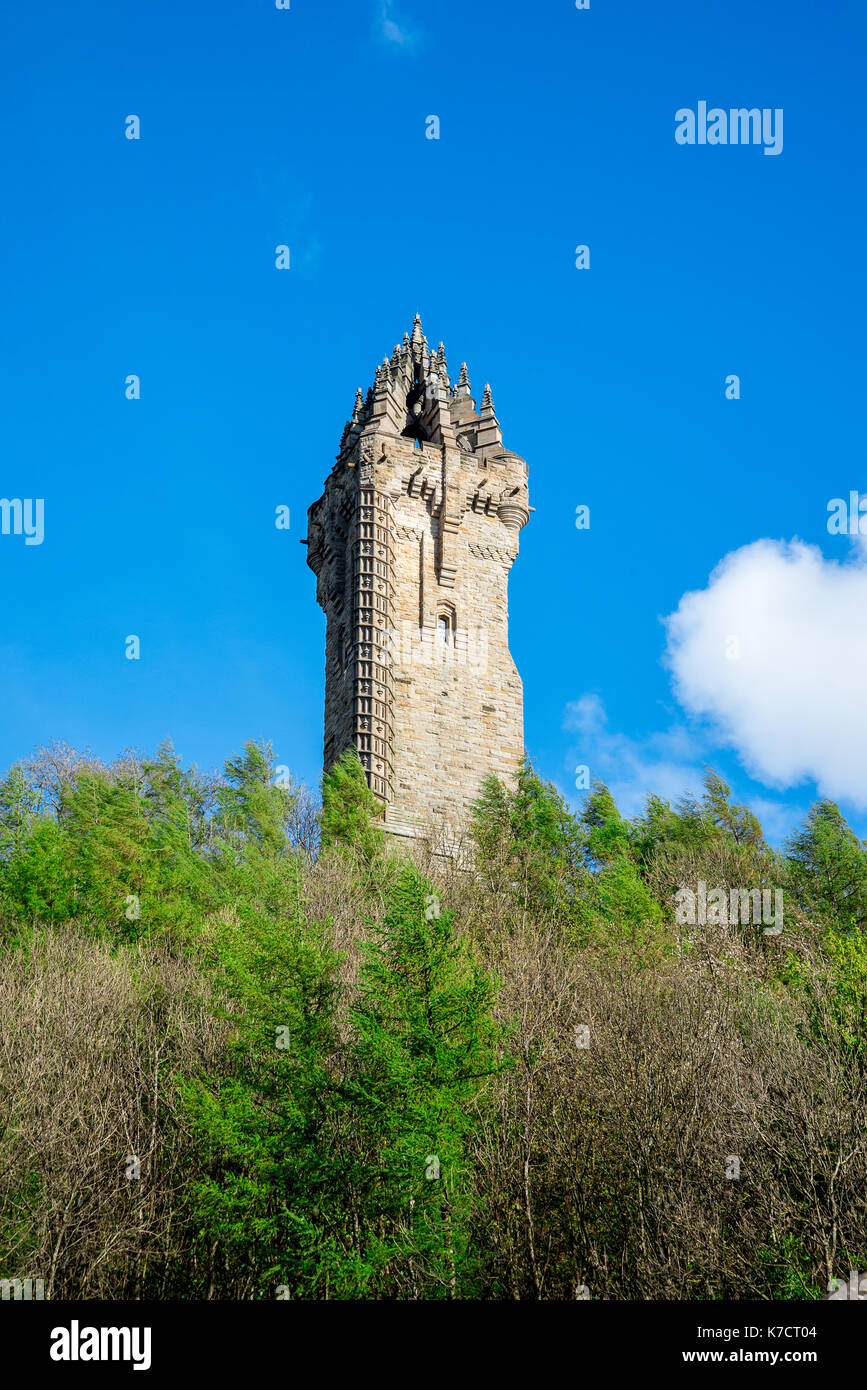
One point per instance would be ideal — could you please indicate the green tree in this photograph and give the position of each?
(619, 907)
(135, 854)
(34, 879)
(529, 843)
(256, 1203)
(661, 826)
(252, 808)
(425, 1044)
(19, 805)
(350, 811)
(608, 835)
(828, 866)
(727, 817)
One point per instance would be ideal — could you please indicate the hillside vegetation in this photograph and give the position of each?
(247, 1051)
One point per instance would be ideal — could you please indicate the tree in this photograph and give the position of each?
(529, 842)
(425, 1043)
(829, 866)
(252, 809)
(661, 826)
(19, 804)
(255, 1204)
(727, 817)
(32, 853)
(349, 808)
(608, 834)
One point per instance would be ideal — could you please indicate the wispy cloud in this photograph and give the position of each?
(392, 27)
(671, 763)
(668, 763)
(778, 818)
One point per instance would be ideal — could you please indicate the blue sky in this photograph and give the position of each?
(306, 127)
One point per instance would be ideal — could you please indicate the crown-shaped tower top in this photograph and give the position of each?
(412, 396)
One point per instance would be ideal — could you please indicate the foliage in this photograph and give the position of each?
(349, 1073)
(349, 808)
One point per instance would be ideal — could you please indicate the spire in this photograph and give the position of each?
(489, 431)
(442, 365)
(359, 402)
(420, 355)
(463, 386)
(381, 378)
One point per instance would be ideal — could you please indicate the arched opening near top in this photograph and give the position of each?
(413, 429)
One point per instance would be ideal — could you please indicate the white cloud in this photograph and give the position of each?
(791, 695)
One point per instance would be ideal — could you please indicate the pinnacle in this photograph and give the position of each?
(463, 386)
(381, 374)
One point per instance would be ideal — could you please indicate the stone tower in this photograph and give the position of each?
(411, 543)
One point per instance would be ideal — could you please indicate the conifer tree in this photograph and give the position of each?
(729, 818)
(829, 866)
(425, 1044)
(349, 808)
(529, 842)
(252, 809)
